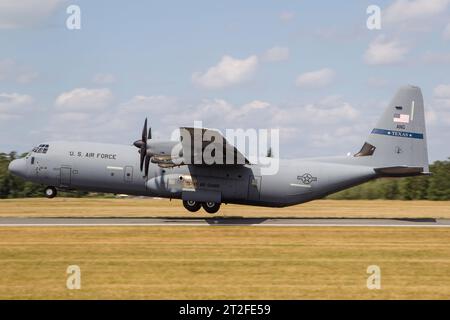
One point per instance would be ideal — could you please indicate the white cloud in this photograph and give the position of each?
(331, 121)
(404, 11)
(315, 79)
(276, 54)
(227, 72)
(157, 104)
(169, 112)
(322, 123)
(11, 71)
(246, 114)
(71, 117)
(74, 125)
(331, 109)
(82, 99)
(442, 91)
(317, 124)
(384, 51)
(213, 112)
(104, 78)
(25, 13)
(13, 105)
(256, 105)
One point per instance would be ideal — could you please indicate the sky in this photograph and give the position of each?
(312, 69)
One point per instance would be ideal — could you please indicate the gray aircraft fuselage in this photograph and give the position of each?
(114, 168)
(396, 147)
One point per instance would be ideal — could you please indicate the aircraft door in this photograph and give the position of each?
(254, 187)
(65, 177)
(34, 168)
(128, 174)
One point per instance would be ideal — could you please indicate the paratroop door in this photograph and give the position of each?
(65, 177)
(128, 174)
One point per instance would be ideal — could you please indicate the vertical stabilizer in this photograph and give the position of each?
(398, 145)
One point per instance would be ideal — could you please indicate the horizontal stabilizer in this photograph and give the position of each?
(401, 171)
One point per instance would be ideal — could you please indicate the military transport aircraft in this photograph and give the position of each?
(396, 147)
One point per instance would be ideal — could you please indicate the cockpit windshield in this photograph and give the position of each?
(42, 148)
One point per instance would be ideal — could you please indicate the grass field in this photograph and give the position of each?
(91, 207)
(224, 262)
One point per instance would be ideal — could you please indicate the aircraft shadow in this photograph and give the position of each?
(239, 220)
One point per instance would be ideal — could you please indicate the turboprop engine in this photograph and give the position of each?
(170, 184)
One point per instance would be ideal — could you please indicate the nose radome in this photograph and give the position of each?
(18, 167)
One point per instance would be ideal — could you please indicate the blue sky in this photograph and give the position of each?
(312, 69)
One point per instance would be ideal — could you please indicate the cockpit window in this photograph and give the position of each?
(42, 148)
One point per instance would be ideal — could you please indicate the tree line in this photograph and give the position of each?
(434, 187)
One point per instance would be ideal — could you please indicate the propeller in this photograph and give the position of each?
(142, 145)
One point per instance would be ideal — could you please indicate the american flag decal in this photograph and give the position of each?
(399, 117)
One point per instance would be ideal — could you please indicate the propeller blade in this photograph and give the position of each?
(147, 163)
(150, 133)
(142, 145)
(143, 152)
(144, 132)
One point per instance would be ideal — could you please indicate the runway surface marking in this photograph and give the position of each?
(224, 221)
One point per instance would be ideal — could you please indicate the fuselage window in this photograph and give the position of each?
(32, 160)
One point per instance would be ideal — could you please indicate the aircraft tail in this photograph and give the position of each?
(397, 146)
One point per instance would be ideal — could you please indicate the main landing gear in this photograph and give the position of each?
(211, 207)
(50, 192)
(194, 206)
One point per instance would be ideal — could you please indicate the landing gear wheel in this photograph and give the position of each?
(50, 192)
(192, 206)
(211, 207)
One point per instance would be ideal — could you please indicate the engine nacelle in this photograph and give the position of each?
(170, 184)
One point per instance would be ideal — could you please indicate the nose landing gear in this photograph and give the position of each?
(50, 192)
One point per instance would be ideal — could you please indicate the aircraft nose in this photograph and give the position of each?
(18, 167)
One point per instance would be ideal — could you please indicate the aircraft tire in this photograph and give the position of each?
(50, 192)
(211, 207)
(192, 206)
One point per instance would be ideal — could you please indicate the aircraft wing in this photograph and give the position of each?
(201, 146)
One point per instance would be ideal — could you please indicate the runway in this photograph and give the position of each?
(224, 221)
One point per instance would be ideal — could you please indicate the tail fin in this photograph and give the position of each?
(397, 146)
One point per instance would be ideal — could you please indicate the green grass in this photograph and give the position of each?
(224, 262)
(136, 207)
